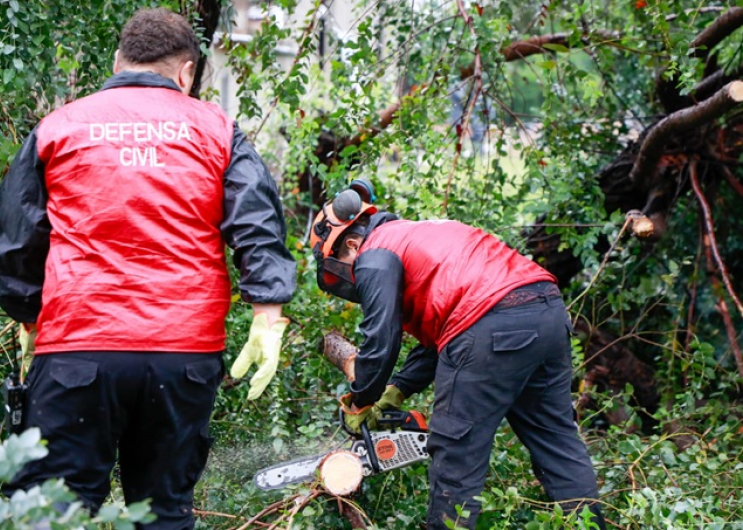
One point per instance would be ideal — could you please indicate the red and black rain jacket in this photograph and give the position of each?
(114, 217)
(432, 279)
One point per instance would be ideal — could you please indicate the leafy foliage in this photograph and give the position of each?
(52, 502)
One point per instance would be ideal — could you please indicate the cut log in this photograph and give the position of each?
(341, 473)
(341, 353)
(641, 225)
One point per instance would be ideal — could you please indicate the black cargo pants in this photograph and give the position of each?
(151, 408)
(515, 363)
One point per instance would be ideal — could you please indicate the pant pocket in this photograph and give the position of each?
(513, 350)
(72, 373)
(449, 425)
(508, 341)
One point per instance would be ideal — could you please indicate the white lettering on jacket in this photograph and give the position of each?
(139, 132)
(136, 156)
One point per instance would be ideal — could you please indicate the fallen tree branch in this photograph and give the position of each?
(710, 229)
(668, 89)
(627, 221)
(463, 126)
(541, 44)
(716, 32)
(386, 117)
(206, 513)
(734, 182)
(271, 508)
(683, 120)
(534, 45)
(355, 515)
(721, 306)
(301, 503)
(712, 83)
(700, 10)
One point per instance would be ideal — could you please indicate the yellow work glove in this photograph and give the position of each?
(353, 417)
(392, 398)
(27, 338)
(262, 348)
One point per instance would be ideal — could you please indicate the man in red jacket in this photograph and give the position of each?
(113, 221)
(494, 335)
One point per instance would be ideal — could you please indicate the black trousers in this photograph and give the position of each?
(152, 409)
(515, 363)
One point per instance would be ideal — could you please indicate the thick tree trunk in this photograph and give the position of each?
(207, 12)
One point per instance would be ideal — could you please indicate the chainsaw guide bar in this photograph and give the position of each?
(390, 450)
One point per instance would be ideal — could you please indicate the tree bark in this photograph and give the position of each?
(208, 12)
(683, 120)
(716, 32)
(341, 353)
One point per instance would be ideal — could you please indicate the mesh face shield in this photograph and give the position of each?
(336, 278)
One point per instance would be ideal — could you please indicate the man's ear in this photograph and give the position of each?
(117, 64)
(185, 76)
(353, 243)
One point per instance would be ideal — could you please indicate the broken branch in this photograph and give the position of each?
(721, 305)
(734, 182)
(710, 229)
(683, 120)
(716, 32)
(474, 94)
(341, 353)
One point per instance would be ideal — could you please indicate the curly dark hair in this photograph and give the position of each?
(154, 35)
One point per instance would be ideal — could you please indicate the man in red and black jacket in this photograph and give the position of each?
(494, 336)
(113, 222)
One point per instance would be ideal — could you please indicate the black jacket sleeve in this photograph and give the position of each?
(24, 234)
(254, 227)
(379, 279)
(418, 371)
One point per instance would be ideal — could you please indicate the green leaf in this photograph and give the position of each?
(555, 47)
(108, 513)
(138, 511)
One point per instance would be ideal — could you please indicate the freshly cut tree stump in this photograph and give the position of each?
(341, 472)
(341, 353)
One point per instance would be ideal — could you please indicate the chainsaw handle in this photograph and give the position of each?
(366, 436)
(404, 420)
(342, 419)
(370, 451)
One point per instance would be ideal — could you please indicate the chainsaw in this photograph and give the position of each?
(401, 441)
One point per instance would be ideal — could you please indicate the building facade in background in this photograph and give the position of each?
(243, 19)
